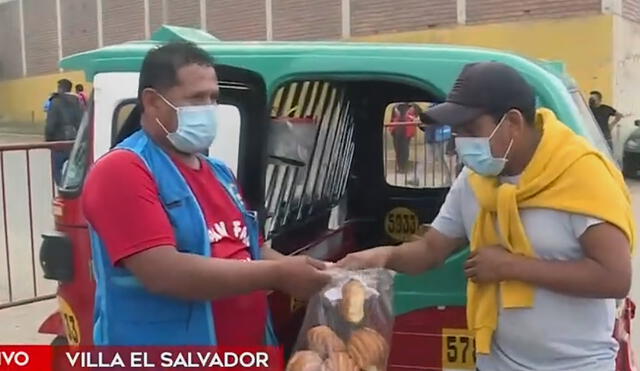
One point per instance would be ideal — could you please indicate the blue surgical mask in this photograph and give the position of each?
(475, 153)
(197, 127)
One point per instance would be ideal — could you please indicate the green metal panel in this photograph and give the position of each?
(445, 286)
(176, 33)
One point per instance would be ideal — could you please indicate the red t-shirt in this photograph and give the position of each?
(121, 201)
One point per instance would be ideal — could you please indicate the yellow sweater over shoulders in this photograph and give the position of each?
(566, 174)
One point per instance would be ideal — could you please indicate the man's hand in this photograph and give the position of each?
(411, 258)
(373, 258)
(616, 119)
(301, 276)
(488, 264)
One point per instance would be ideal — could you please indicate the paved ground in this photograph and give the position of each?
(11, 138)
(20, 324)
(20, 132)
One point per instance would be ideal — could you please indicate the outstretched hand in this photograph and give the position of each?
(302, 276)
(373, 258)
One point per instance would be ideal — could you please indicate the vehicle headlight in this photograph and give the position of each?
(633, 144)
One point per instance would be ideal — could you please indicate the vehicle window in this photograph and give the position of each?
(309, 152)
(591, 125)
(78, 163)
(417, 155)
(227, 144)
(120, 115)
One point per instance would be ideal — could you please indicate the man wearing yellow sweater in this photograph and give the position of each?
(548, 219)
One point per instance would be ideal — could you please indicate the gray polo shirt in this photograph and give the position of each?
(561, 332)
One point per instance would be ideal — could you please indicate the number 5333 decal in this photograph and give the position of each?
(401, 223)
(458, 350)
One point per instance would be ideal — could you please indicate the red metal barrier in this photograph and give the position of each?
(19, 164)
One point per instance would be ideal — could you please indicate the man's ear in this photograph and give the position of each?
(150, 100)
(516, 121)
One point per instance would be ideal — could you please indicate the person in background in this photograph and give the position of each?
(64, 114)
(47, 103)
(82, 96)
(603, 114)
(440, 149)
(403, 130)
(549, 222)
(176, 251)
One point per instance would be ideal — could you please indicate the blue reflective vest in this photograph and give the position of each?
(128, 314)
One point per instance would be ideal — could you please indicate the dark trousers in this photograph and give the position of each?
(58, 158)
(401, 146)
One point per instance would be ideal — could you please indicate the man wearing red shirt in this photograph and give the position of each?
(126, 205)
(403, 130)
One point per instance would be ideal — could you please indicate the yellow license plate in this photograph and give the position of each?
(458, 349)
(70, 321)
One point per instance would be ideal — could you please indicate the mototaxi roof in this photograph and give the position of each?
(428, 66)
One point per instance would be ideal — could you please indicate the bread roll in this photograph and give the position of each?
(340, 361)
(323, 340)
(353, 299)
(368, 349)
(305, 360)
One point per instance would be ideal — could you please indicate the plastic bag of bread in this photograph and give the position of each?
(348, 325)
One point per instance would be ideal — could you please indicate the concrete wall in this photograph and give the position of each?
(626, 76)
(156, 14)
(247, 21)
(489, 11)
(307, 19)
(631, 10)
(11, 55)
(78, 20)
(574, 31)
(41, 45)
(122, 20)
(369, 17)
(22, 100)
(547, 39)
(184, 13)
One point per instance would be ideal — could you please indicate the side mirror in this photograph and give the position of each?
(636, 123)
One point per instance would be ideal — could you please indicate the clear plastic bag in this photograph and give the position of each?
(348, 325)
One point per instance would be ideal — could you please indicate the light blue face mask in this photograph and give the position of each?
(197, 127)
(475, 153)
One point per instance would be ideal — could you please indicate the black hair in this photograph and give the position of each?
(65, 85)
(402, 108)
(160, 66)
(596, 93)
(79, 87)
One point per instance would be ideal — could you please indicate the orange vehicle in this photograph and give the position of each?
(328, 185)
